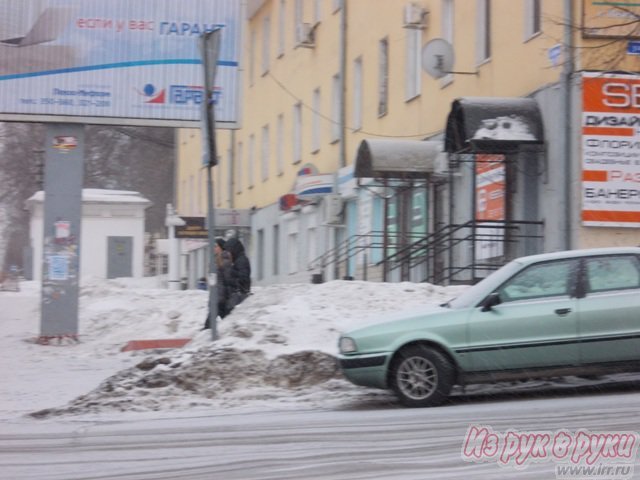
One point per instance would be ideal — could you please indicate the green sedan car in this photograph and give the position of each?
(564, 313)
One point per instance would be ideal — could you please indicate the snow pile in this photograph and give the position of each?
(278, 346)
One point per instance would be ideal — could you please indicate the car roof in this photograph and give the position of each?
(585, 252)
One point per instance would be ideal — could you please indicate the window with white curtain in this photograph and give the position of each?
(532, 18)
(266, 44)
(335, 108)
(252, 57)
(238, 167)
(317, 10)
(298, 16)
(264, 153)
(292, 245)
(297, 132)
(201, 186)
(281, 28)
(276, 250)
(413, 72)
(192, 197)
(448, 22)
(356, 121)
(383, 77)
(315, 122)
(280, 144)
(483, 37)
(251, 167)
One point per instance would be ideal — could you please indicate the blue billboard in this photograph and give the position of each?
(116, 62)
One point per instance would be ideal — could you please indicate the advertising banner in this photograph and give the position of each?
(490, 205)
(132, 62)
(610, 150)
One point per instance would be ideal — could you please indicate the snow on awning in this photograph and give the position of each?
(396, 158)
(493, 124)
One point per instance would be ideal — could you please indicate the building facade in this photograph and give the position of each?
(356, 159)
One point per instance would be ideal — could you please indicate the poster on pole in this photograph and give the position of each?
(133, 62)
(610, 150)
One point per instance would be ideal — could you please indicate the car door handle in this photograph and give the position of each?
(562, 311)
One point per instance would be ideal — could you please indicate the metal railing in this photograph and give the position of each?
(455, 253)
(468, 252)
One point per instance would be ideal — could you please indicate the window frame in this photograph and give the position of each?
(585, 273)
(571, 281)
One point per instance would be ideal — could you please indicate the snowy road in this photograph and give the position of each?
(376, 442)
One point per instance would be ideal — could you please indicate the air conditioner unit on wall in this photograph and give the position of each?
(332, 206)
(305, 35)
(415, 16)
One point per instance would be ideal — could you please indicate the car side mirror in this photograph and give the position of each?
(491, 301)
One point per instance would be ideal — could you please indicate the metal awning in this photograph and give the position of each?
(397, 158)
(493, 124)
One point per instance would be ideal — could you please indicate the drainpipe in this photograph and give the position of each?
(567, 75)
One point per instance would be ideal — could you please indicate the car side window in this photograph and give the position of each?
(549, 279)
(612, 273)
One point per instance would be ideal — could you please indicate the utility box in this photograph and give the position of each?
(112, 233)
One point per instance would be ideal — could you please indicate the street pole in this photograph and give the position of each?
(209, 50)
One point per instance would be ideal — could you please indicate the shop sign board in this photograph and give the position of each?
(610, 150)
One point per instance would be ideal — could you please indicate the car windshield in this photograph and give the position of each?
(473, 295)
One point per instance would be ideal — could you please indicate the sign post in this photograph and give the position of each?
(61, 243)
(209, 49)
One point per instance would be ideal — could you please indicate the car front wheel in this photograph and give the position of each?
(421, 377)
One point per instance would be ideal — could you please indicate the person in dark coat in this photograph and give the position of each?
(224, 275)
(239, 286)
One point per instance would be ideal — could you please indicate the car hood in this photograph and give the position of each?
(396, 319)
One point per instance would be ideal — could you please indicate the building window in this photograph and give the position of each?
(238, 165)
(448, 21)
(280, 144)
(532, 18)
(317, 11)
(201, 184)
(297, 133)
(293, 252)
(252, 160)
(383, 77)
(335, 109)
(292, 245)
(218, 185)
(413, 74)
(315, 122)
(297, 19)
(264, 153)
(312, 238)
(192, 197)
(260, 255)
(281, 28)
(252, 57)
(276, 250)
(357, 94)
(266, 44)
(483, 40)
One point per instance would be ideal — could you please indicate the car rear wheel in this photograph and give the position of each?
(421, 377)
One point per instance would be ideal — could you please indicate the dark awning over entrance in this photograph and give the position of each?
(396, 158)
(492, 124)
